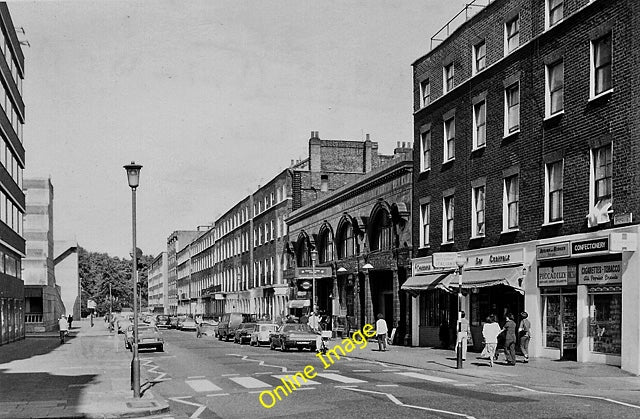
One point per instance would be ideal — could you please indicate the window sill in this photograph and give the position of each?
(426, 246)
(600, 95)
(446, 162)
(446, 243)
(482, 147)
(552, 223)
(477, 237)
(511, 230)
(510, 134)
(554, 116)
(427, 170)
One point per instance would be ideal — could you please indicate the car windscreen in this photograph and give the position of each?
(296, 328)
(268, 327)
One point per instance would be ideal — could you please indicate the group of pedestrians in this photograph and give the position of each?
(491, 330)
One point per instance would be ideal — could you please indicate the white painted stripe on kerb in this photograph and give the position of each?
(340, 378)
(202, 385)
(299, 380)
(426, 377)
(249, 382)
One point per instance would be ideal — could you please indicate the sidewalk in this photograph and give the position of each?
(87, 377)
(538, 373)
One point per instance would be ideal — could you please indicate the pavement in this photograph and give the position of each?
(539, 374)
(86, 377)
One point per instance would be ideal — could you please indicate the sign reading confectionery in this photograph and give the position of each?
(600, 273)
(556, 276)
(582, 247)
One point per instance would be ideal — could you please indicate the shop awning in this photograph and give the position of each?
(299, 303)
(479, 278)
(418, 283)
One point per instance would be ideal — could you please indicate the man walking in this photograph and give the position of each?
(64, 327)
(463, 335)
(509, 331)
(381, 330)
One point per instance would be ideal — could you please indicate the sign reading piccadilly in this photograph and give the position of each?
(590, 246)
(556, 276)
(552, 251)
(600, 273)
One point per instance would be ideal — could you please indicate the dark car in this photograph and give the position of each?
(229, 323)
(294, 335)
(163, 322)
(243, 333)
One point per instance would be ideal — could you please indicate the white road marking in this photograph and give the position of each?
(360, 370)
(201, 408)
(340, 378)
(387, 385)
(261, 363)
(202, 386)
(399, 403)
(634, 406)
(196, 376)
(249, 382)
(302, 382)
(230, 375)
(390, 370)
(217, 394)
(426, 377)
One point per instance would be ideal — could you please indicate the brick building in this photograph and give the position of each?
(12, 199)
(526, 123)
(158, 285)
(363, 223)
(176, 242)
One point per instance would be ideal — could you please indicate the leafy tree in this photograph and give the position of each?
(99, 270)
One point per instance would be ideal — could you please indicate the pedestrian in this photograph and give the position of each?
(509, 330)
(313, 321)
(524, 333)
(91, 318)
(463, 335)
(490, 332)
(198, 322)
(381, 331)
(64, 327)
(70, 319)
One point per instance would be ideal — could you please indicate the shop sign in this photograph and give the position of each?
(590, 246)
(422, 266)
(305, 285)
(552, 251)
(495, 258)
(445, 260)
(556, 276)
(301, 294)
(308, 273)
(600, 273)
(281, 291)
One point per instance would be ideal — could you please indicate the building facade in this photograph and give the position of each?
(202, 274)
(68, 275)
(12, 198)
(361, 234)
(158, 285)
(527, 129)
(42, 298)
(176, 242)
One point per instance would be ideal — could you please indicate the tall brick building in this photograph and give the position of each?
(526, 127)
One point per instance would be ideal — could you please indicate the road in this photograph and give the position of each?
(206, 378)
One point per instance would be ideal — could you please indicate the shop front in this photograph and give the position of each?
(581, 294)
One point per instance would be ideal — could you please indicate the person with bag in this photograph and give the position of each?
(463, 335)
(381, 331)
(64, 327)
(490, 332)
(524, 333)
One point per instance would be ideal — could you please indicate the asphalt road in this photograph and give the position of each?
(206, 378)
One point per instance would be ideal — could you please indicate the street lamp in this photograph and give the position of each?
(460, 262)
(133, 176)
(314, 257)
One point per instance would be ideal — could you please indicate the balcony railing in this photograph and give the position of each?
(470, 10)
(33, 318)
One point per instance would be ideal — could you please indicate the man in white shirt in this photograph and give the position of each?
(381, 330)
(64, 327)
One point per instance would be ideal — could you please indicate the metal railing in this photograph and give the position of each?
(470, 10)
(33, 318)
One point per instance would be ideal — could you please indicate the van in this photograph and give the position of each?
(229, 323)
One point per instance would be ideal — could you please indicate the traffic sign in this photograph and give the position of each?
(444, 260)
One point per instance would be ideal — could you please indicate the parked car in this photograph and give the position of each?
(122, 322)
(294, 335)
(208, 328)
(163, 322)
(148, 337)
(229, 323)
(262, 333)
(243, 333)
(173, 322)
(187, 323)
(180, 320)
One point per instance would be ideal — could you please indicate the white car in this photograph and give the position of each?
(262, 333)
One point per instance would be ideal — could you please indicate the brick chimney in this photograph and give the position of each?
(368, 158)
(314, 152)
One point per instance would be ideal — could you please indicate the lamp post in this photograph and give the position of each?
(133, 176)
(314, 257)
(460, 262)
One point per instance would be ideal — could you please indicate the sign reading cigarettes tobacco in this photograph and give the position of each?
(600, 273)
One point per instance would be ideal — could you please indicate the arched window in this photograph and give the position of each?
(347, 242)
(325, 245)
(381, 231)
(302, 254)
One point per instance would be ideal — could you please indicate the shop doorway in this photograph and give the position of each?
(569, 324)
(560, 321)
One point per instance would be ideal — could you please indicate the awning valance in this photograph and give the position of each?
(479, 278)
(299, 303)
(419, 283)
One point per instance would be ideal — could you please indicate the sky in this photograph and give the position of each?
(213, 98)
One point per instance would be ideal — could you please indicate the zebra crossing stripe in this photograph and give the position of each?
(249, 382)
(426, 377)
(340, 378)
(202, 385)
(297, 379)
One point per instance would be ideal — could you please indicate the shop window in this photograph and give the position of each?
(551, 321)
(605, 322)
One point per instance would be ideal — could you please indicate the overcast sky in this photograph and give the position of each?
(212, 97)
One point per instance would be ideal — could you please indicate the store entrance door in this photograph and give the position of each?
(568, 327)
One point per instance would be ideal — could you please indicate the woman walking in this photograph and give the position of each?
(490, 332)
(525, 335)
